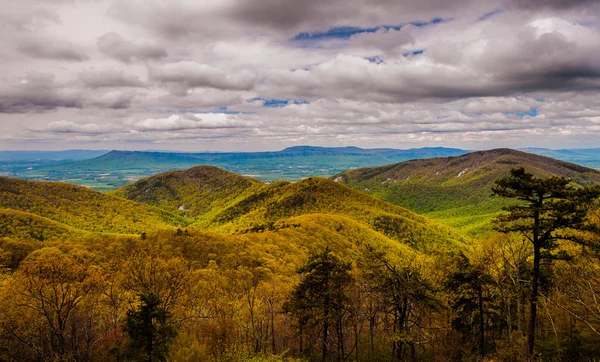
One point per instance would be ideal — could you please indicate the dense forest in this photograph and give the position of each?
(204, 265)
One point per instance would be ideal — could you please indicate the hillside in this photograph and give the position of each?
(82, 208)
(457, 190)
(230, 203)
(26, 226)
(272, 206)
(195, 191)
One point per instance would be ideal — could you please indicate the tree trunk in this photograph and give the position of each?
(325, 331)
(535, 277)
(481, 324)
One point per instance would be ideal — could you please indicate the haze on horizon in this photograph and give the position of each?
(251, 75)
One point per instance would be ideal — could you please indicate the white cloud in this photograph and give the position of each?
(178, 122)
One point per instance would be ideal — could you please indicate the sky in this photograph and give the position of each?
(254, 75)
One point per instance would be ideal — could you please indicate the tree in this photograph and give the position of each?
(550, 210)
(53, 293)
(321, 297)
(468, 285)
(149, 334)
(405, 295)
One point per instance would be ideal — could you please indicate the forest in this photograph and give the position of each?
(305, 271)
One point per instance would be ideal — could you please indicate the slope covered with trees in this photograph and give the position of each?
(272, 205)
(457, 190)
(195, 191)
(83, 208)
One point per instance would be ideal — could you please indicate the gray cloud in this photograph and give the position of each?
(64, 126)
(50, 49)
(109, 78)
(552, 4)
(283, 18)
(181, 76)
(36, 93)
(178, 122)
(27, 17)
(113, 45)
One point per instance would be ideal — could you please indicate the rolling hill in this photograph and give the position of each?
(457, 190)
(230, 203)
(195, 191)
(83, 208)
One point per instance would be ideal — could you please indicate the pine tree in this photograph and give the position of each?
(550, 210)
(149, 334)
(320, 300)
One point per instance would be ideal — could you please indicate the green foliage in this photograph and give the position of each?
(195, 191)
(149, 334)
(321, 300)
(457, 190)
(276, 202)
(468, 286)
(27, 226)
(223, 278)
(82, 208)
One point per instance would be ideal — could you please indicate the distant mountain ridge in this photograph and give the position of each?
(290, 164)
(114, 169)
(161, 159)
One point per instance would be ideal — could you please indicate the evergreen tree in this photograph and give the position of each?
(468, 286)
(550, 210)
(149, 334)
(320, 300)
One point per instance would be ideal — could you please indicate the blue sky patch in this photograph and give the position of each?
(275, 103)
(532, 113)
(375, 59)
(414, 52)
(346, 32)
(490, 14)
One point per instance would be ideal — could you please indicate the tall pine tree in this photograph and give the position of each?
(550, 210)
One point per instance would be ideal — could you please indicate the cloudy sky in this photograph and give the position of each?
(266, 74)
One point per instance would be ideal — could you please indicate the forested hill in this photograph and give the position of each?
(230, 203)
(83, 208)
(195, 191)
(457, 190)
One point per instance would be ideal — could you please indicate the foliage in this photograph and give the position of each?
(82, 208)
(194, 191)
(320, 301)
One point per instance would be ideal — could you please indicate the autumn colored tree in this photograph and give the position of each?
(550, 210)
(53, 292)
(404, 293)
